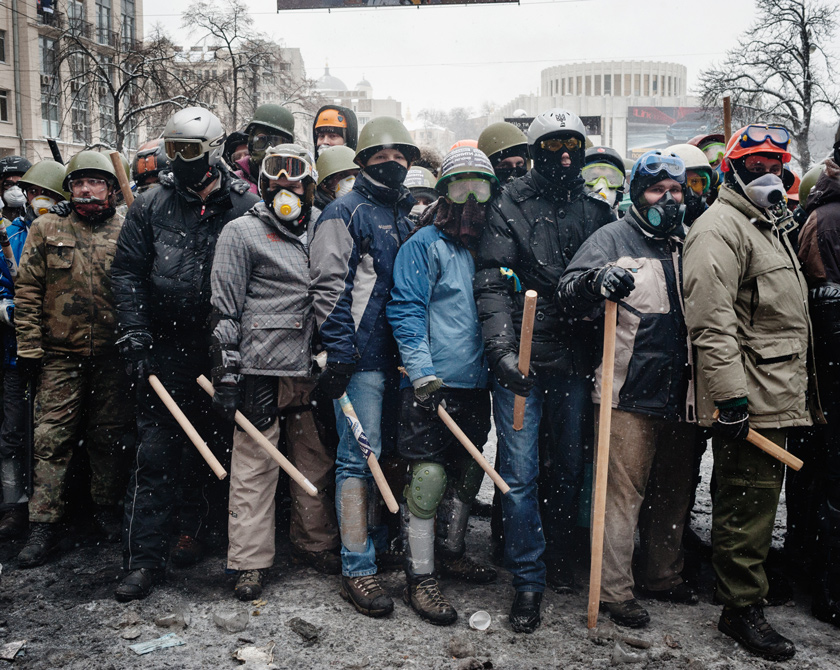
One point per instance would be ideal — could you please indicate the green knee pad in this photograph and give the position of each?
(424, 493)
(469, 482)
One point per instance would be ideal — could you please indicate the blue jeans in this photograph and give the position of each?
(564, 398)
(375, 398)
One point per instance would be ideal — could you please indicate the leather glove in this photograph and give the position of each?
(136, 349)
(7, 312)
(226, 400)
(335, 378)
(613, 282)
(430, 395)
(733, 421)
(29, 368)
(509, 376)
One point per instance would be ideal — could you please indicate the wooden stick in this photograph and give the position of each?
(525, 353)
(256, 435)
(602, 464)
(470, 447)
(727, 119)
(364, 445)
(116, 159)
(191, 432)
(770, 447)
(7, 249)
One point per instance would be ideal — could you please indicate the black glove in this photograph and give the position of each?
(335, 378)
(29, 369)
(733, 423)
(136, 349)
(430, 395)
(226, 400)
(509, 376)
(613, 283)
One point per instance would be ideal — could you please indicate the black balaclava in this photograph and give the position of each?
(195, 175)
(695, 205)
(507, 174)
(391, 173)
(549, 165)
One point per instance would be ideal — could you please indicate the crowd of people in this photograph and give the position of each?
(380, 278)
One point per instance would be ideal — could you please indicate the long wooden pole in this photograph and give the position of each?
(378, 476)
(470, 447)
(256, 435)
(188, 428)
(525, 353)
(727, 118)
(770, 447)
(125, 187)
(602, 463)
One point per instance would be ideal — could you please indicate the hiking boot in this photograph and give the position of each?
(14, 523)
(108, 519)
(137, 584)
(187, 552)
(465, 569)
(327, 562)
(249, 584)
(426, 599)
(366, 595)
(681, 594)
(390, 559)
(41, 540)
(629, 613)
(525, 611)
(748, 627)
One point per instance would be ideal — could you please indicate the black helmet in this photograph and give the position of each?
(604, 155)
(236, 139)
(149, 161)
(14, 165)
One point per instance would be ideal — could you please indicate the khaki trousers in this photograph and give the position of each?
(253, 483)
(649, 485)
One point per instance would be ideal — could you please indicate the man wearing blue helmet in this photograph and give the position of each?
(637, 262)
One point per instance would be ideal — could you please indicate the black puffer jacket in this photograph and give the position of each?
(161, 273)
(535, 232)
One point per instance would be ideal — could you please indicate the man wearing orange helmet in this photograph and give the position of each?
(747, 313)
(334, 126)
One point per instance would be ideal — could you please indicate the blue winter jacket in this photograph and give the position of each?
(352, 254)
(17, 231)
(432, 311)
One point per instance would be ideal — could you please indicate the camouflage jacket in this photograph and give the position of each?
(63, 299)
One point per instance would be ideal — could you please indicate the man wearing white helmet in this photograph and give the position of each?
(699, 178)
(533, 230)
(161, 283)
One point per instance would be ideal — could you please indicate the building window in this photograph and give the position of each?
(637, 81)
(107, 129)
(597, 84)
(129, 23)
(2, 46)
(669, 86)
(588, 85)
(4, 105)
(607, 84)
(76, 18)
(626, 90)
(103, 21)
(564, 85)
(647, 84)
(655, 84)
(50, 93)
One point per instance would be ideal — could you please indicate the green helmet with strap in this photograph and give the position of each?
(89, 161)
(502, 136)
(333, 160)
(463, 161)
(275, 117)
(46, 174)
(807, 183)
(385, 132)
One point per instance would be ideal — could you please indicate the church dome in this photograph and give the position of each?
(329, 83)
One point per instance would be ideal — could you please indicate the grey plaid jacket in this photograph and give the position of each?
(260, 283)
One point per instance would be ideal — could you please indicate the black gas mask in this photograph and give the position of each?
(662, 217)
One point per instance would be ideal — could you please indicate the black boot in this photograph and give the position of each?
(137, 584)
(525, 611)
(14, 523)
(42, 538)
(748, 627)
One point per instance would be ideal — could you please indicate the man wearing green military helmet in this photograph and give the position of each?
(270, 126)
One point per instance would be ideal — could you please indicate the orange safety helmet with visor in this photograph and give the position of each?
(757, 138)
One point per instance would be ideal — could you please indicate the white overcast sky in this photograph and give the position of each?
(445, 57)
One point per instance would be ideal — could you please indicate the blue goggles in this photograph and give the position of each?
(654, 163)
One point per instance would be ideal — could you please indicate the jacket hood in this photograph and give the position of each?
(827, 188)
(382, 195)
(352, 134)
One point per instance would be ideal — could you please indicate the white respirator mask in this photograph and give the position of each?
(287, 206)
(41, 204)
(344, 186)
(767, 191)
(14, 197)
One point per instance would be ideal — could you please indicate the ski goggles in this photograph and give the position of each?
(293, 168)
(754, 135)
(699, 183)
(654, 163)
(594, 171)
(262, 142)
(459, 191)
(714, 152)
(186, 150)
(557, 144)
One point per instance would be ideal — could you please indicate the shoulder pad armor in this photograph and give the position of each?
(62, 208)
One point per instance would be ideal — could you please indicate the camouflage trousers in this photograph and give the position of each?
(81, 399)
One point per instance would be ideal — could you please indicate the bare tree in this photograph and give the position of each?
(130, 83)
(780, 72)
